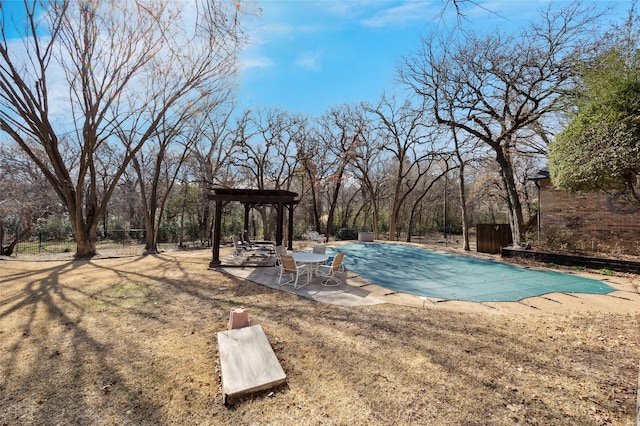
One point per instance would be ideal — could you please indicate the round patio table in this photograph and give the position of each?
(312, 260)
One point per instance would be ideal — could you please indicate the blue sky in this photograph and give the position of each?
(306, 56)
(309, 55)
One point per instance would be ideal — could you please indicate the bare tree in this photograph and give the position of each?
(403, 133)
(338, 133)
(503, 90)
(267, 142)
(367, 166)
(25, 196)
(125, 66)
(158, 168)
(313, 156)
(211, 159)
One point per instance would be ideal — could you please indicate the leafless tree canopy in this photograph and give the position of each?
(127, 109)
(504, 90)
(92, 77)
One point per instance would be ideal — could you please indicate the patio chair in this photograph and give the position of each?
(280, 250)
(330, 261)
(329, 271)
(289, 266)
(319, 248)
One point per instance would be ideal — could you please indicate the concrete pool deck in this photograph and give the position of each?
(357, 291)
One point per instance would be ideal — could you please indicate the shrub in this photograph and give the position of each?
(346, 234)
(556, 239)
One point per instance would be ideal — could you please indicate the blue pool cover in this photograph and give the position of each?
(413, 270)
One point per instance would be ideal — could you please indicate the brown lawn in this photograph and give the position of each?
(132, 341)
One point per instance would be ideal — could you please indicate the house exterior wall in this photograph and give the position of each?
(587, 221)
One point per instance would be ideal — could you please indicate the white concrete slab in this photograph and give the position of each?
(247, 363)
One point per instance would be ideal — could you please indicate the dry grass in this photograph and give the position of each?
(133, 341)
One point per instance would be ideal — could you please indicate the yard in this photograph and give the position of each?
(133, 341)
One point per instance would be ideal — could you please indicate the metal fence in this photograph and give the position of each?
(119, 242)
(46, 243)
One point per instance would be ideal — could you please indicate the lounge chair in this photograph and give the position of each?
(315, 237)
(245, 241)
(241, 248)
(289, 266)
(238, 248)
(329, 271)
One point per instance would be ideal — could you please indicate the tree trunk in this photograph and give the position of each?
(411, 224)
(515, 207)
(374, 219)
(395, 212)
(150, 227)
(314, 199)
(463, 197)
(267, 233)
(463, 209)
(150, 235)
(85, 241)
(8, 251)
(334, 203)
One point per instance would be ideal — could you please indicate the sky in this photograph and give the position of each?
(307, 56)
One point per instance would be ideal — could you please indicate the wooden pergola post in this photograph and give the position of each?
(290, 228)
(247, 210)
(217, 229)
(279, 227)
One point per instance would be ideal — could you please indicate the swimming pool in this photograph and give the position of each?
(413, 270)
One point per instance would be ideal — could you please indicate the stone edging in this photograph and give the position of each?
(571, 260)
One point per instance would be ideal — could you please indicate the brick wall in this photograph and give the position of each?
(587, 221)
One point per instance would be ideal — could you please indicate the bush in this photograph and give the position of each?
(557, 240)
(54, 228)
(346, 234)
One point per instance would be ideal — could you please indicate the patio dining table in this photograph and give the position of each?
(311, 260)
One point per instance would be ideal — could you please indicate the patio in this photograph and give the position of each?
(355, 291)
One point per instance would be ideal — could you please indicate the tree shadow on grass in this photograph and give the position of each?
(54, 369)
(390, 363)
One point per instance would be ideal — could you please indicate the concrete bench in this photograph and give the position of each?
(247, 363)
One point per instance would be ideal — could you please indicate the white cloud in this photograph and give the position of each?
(403, 14)
(309, 61)
(248, 62)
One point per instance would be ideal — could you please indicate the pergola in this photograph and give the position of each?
(251, 198)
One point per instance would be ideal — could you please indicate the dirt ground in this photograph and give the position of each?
(132, 341)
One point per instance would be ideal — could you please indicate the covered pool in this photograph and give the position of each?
(413, 270)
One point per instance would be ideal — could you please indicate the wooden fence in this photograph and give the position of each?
(491, 237)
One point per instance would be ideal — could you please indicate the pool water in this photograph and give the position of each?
(413, 270)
